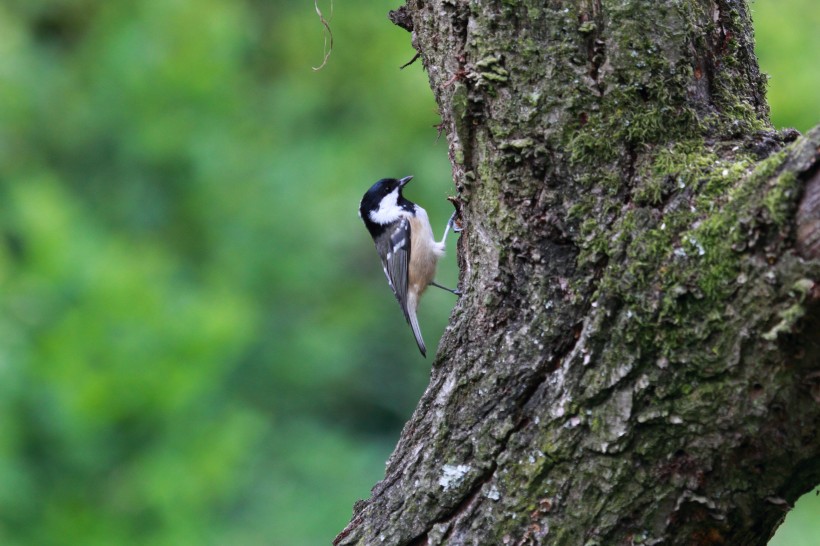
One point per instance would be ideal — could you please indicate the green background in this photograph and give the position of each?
(197, 344)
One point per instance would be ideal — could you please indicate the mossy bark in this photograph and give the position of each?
(635, 357)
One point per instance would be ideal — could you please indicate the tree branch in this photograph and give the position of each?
(635, 359)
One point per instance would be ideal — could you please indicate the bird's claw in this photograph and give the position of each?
(453, 224)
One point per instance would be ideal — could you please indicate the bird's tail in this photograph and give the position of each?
(414, 324)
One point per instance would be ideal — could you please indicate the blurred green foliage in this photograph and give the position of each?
(788, 49)
(802, 525)
(197, 344)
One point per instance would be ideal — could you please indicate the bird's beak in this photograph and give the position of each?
(403, 181)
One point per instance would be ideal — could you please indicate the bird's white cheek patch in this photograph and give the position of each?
(389, 209)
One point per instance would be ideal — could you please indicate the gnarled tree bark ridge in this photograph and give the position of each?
(635, 358)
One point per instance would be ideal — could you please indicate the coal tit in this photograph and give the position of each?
(405, 243)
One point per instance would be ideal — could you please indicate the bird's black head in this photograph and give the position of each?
(383, 203)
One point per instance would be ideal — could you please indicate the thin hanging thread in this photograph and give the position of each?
(328, 34)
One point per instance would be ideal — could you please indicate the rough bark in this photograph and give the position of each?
(635, 357)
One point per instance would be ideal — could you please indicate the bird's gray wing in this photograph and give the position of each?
(394, 250)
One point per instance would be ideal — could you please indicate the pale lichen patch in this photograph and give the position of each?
(451, 475)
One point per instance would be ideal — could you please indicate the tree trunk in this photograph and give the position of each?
(635, 357)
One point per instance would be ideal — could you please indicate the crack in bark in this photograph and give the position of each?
(808, 214)
(469, 502)
(592, 24)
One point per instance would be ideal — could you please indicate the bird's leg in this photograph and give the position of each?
(447, 229)
(456, 292)
(450, 224)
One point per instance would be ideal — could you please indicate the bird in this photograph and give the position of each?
(405, 243)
